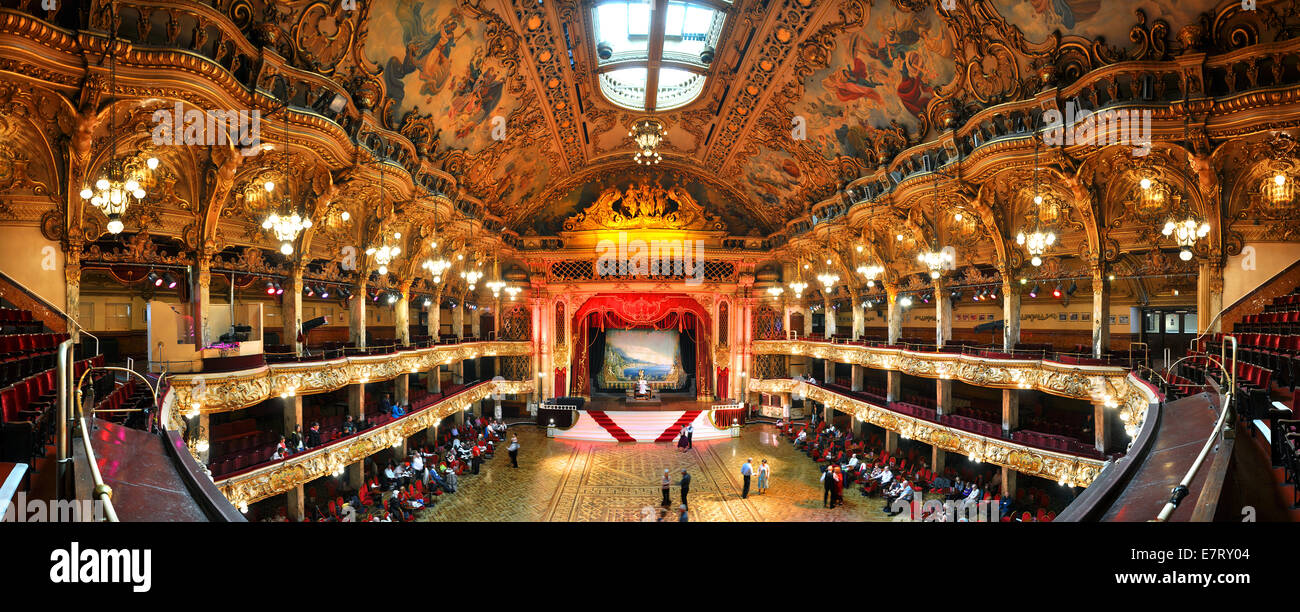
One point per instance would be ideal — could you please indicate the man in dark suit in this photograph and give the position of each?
(686, 486)
(828, 487)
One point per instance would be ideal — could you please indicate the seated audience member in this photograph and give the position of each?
(278, 454)
(959, 491)
(853, 462)
(902, 500)
(801, 439)
(294, 439)
(398, 411)
(972, 496)
(349, 426)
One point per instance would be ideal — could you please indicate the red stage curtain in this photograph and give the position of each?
(723, 375)
(559, 381)
(641, 311)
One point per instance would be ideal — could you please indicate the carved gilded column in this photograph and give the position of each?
(807, 320)
(458, 326)
(1010, 312)
(291, 311)
(828, 330)
(72, 275)
(402, 316)
(357, 316)
(434, 324)
(1100, 309)
(859, 317)
(475, 323)
(895, 314)
(201, 300)
(942, 314)
(1209, 293)
(943, 396)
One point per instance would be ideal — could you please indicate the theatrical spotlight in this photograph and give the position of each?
(955, 295)
(1074, 286)
(1056, 293)
(1033, 293)
(169, 279)
(311, 292)
(279, 290)
(270, 288)
(345, 292)
(905, 301)
(324, 292)
(925, 298)
(156, 280)
(993, 294)
(392, 297)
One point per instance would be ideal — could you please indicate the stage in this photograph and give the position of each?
(647, 425)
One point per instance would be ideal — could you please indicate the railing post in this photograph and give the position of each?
(63, 389)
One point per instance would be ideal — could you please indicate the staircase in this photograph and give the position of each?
(640, 426)
(604, 421)
(670, 434)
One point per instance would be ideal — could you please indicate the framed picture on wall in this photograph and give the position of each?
(1112, 320)
(1061, 317)
(1123, 319)
(1087, 316)
(1074, 316)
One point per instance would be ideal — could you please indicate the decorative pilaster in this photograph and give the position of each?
(1010, 312)
(1100, 309)
(357, 316)
(859, 317)
(895, 314)
(291, 311)
(72, 275)
(1209, 293)
(942, 314)
(200, 300)
(402, 316)
(828, 329)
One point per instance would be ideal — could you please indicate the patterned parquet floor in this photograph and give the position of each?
(565, 480)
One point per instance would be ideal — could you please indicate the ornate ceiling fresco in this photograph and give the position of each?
(863, 131)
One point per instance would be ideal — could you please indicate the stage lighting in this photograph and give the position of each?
(169, 279)
(375, 298)
(310, 291)
(955, 295)
(1033, 293)
(270, 288)
(1074, 286)
(925, 298)
(279, 290)
(345, 292)
(155, 279)
(323, 291)
(905, 301)
(427, 302)
(392, 298)
(1056, 293)
(993, 295)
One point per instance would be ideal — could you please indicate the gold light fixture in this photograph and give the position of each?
(797, 286)
(385, 253)
(496, 284)
(870, 273)
(648, 135)
(113, 191)
(828, 278)
(1186, 232)
(935, 261)
(1034, 237)
(287, 227)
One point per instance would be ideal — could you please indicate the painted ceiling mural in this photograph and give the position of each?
(1104, 19)
(435, 62)
(863, 73)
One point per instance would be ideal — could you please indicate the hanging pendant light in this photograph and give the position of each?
(1034, 237)
(113, 191)
(285, 227)
(648, 134)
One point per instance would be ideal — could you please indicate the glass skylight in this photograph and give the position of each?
(623, 29)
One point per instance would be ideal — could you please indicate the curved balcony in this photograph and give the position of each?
(1061, 467)
(1113, 386)
(259, 483)
(193, 394)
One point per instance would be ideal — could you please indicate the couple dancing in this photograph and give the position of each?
(684, 439)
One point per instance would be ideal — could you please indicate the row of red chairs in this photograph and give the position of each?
(26, 410)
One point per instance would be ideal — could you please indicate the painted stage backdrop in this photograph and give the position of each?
(633, 353)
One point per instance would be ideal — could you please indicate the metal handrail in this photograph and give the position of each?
(1230, 375)
(101, 491)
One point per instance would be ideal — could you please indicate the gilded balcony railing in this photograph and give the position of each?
(1070, 470)
(193, 394)
(1111, 386)
(275, 478)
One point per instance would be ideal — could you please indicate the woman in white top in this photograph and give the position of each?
(764, 470)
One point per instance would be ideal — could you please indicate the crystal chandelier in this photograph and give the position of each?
(385, 254)
(935, 261)
(436, 267)
(828, 278)
(870, 273)
(496, 284)
(113, 191)
(512, 291)
(1037, 240)
(285, 227)
(472, 276)
(1186, 233)
(648, 134)
(775, 292)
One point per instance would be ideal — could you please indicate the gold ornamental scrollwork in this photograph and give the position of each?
(237, 390)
